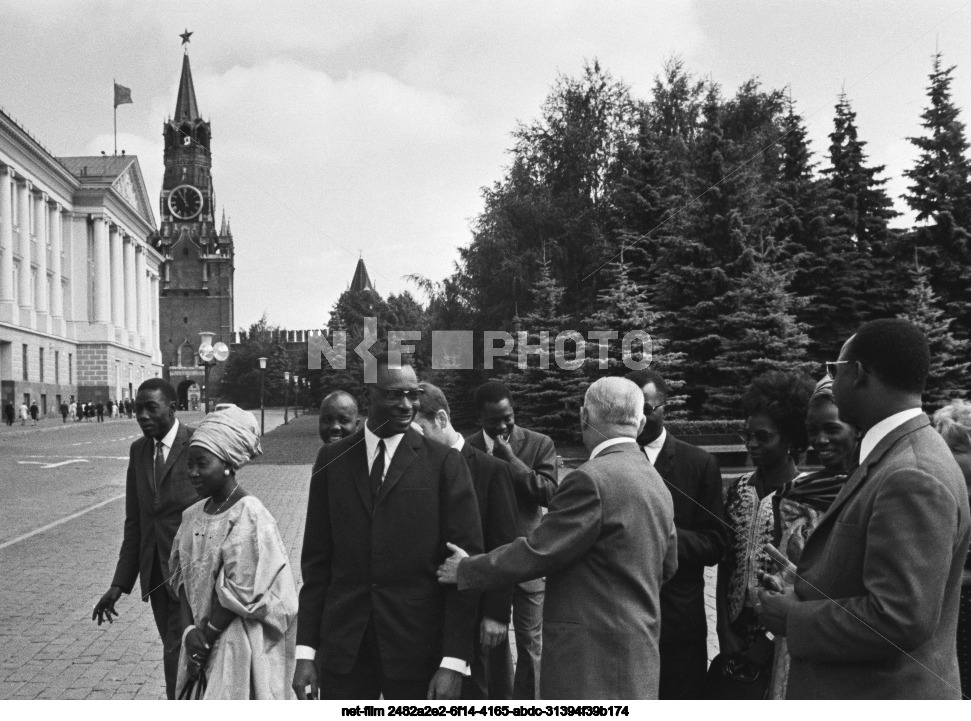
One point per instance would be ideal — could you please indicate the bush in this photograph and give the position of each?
(697, 428)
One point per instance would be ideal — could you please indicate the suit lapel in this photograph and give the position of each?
(178, 447)
(148, 464)
(357, 461)
(403, 457)
(665, 459)
(517, 439)
(469, 452)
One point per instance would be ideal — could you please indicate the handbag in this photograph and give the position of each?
(194, 689)
(733, 676)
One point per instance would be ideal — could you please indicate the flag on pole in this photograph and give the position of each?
(122, 95)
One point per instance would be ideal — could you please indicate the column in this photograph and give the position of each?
(131, 295)
(23, 214)
(57, 270)
(153, 340)
(117, 278)
(102, 291)
(41, 303)
(141, 294)
(7, 297)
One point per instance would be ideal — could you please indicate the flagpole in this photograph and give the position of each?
(114, 82)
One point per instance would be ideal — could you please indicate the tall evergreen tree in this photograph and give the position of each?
(949, 376)
(942, 174)
(941, 193)
(547, 399)
(760, 332)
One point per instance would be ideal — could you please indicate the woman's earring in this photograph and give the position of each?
(226, 472)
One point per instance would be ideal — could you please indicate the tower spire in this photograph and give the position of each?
(186, 107)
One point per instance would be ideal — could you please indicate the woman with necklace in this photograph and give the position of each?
(775, 436)
(232, 572)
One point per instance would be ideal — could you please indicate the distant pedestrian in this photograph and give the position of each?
(128, 406)
(8, 413)
(63, 409)
(99, 410)
(34, 413)
(109, 407)
(23, 414)
(88, 411)
(78, 412)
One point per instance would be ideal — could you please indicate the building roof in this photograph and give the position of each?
(102, 167)
(186, 107)
(361, 280)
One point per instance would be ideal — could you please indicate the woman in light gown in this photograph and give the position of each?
(232, 572)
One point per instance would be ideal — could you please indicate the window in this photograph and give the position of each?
(70, 369)
(24, 361)
(41, 357)
(57, 368)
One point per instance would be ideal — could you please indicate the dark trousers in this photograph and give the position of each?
(527, 621)
(684, 663)
(366, 679)
(168, 620)
(491, 675)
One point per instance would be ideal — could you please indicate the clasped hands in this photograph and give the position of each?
(776, 598)
(198, 646)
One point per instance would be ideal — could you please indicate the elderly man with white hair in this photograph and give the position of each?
(605, 546)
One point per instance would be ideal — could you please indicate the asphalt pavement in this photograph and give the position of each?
(61, 523)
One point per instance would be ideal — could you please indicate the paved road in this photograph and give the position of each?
(49, 647)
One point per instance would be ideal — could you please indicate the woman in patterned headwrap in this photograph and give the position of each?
(799, 504)
(232, 572)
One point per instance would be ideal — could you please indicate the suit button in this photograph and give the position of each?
(374, 586)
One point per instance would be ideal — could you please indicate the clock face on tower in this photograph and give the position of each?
(185, 202)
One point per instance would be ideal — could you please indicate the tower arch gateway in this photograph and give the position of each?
(196, 287)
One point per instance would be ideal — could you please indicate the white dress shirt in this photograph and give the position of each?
(653, 449)
(610, 442)
(489, 443)
(166, 442)
(391, 443)
(881, 429)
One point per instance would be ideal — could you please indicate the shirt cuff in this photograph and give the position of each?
(306, 653)
(452, 664)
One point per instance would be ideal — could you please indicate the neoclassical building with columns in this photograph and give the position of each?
(79, 279)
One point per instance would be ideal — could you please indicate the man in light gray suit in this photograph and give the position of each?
(605, 546)
(874, 610)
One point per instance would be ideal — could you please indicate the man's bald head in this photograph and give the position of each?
(339, 416)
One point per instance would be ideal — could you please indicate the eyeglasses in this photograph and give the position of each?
(761, 437)
(649, 409)
(394, 395)
(831, 367)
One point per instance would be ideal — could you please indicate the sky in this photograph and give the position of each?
(369, 128)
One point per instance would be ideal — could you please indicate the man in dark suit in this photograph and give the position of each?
(492, 480)
(156, 492)
(383, 503)
(691, 475)
(874, 610)
(532, 459)
(606, 545)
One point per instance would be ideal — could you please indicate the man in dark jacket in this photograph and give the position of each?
(691, 475)
(157, 491)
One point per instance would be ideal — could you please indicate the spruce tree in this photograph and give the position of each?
(760, 333)
(948, 375)
(941, 194)
(547, 399)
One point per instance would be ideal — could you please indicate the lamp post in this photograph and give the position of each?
(286, 396)
(262, 389)
(209, 355)
(296, 395)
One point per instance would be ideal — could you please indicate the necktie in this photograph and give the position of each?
(159, 466)
(377, 471)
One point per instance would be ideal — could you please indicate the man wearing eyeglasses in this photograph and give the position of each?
(383, 503)
(691, 475)
(874, 610)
